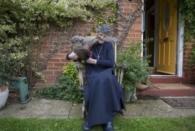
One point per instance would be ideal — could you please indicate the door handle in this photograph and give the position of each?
(166, 39)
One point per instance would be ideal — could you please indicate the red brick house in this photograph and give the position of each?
(159, 28)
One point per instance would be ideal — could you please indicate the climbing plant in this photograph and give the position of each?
(189, 17)
(126, 21)
(192, 60)
(22, 22)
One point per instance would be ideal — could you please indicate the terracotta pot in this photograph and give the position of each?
(4, 91)
(142, 86)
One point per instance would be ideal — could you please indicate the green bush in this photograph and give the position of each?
(67, 87)
(136, 70)
(189, 17)
(22, 22)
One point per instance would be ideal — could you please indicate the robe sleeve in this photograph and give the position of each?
(107, 61)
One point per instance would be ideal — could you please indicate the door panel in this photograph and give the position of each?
(166, 52)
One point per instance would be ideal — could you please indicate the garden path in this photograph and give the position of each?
(43, 108)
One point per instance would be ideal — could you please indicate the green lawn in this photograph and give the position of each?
(121, 124)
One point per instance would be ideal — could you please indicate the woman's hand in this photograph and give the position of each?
(73, 56)
(92, 61)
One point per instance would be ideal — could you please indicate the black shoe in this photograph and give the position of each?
(108, 127)
(86, 127)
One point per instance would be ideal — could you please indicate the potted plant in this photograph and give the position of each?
(4, 91)
(13, 61)
(136, 70)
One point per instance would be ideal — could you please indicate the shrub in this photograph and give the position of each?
(189, 17)
(67, 87)
(136, 70)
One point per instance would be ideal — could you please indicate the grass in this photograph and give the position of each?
(120, 124)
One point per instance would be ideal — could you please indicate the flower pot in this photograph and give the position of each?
(130, 95)
(4, 91)
(21, 84)
(142, 86)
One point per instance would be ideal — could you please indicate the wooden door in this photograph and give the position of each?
(167, 36)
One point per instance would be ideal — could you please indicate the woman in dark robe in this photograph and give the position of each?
(103, 94)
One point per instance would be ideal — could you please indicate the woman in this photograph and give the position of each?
(103, 94)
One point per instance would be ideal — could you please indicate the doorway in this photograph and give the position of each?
(160, 36)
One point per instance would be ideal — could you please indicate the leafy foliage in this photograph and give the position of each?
(188, 13)
(109, 18)
(67, 87)
(23, 21)
(192, 59)
(136, 70)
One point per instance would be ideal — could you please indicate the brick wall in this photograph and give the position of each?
(55, 62)
(55, 46)
(134, 34)
(189, 71)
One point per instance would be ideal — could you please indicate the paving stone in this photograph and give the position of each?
(43, 108)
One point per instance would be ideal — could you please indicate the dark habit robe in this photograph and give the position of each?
(103, 94)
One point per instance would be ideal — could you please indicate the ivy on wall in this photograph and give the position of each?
(23, 21)
(189, 17)
(109, 18)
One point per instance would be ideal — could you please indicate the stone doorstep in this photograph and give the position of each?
(192, 97)
(165, 79)
(163, 90)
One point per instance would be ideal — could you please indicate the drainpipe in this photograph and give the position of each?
(142, 28)
(180, 40)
